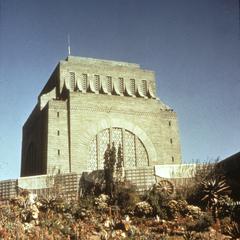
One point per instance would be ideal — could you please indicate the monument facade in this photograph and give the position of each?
(90, 103)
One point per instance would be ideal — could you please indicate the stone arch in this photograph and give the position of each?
(109, 122)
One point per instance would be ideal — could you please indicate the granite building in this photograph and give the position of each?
(89, 103)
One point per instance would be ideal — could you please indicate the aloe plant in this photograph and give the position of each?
(213, 189)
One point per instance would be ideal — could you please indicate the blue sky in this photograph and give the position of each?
(193, 46)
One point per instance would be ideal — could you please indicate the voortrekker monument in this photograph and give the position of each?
(90, 103)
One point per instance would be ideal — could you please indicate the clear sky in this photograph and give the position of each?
(192, 45)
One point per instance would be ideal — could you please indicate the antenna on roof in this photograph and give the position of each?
(239, 18)
(69, 45)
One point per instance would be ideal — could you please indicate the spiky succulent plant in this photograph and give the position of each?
(213, 189)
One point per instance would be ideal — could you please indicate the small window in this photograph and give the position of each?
(172, 159)
(169, 123)
(84, 81)
(132, 86)
(58, 152)
(97, 82)
(109, 84)
(144, 87)
(58, 114)
(171, 141)
(121, 88)
(58, 132)
(72, 80)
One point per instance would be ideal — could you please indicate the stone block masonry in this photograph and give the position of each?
(89, 103)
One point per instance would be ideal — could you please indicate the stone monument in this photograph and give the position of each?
(90, 103)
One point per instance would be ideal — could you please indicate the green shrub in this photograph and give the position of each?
(196, 236)
(236, 213)
(126, 196)
(143, 209)
(225, 223)
(87, 202)
(225, 207)
(158, 201)
(202, 224)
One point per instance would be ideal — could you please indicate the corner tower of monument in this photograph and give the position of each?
(90, 103)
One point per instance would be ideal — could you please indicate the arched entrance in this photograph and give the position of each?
(134, 152)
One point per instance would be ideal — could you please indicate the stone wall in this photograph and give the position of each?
(34, 143)
(67, 117)
(87, 114)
